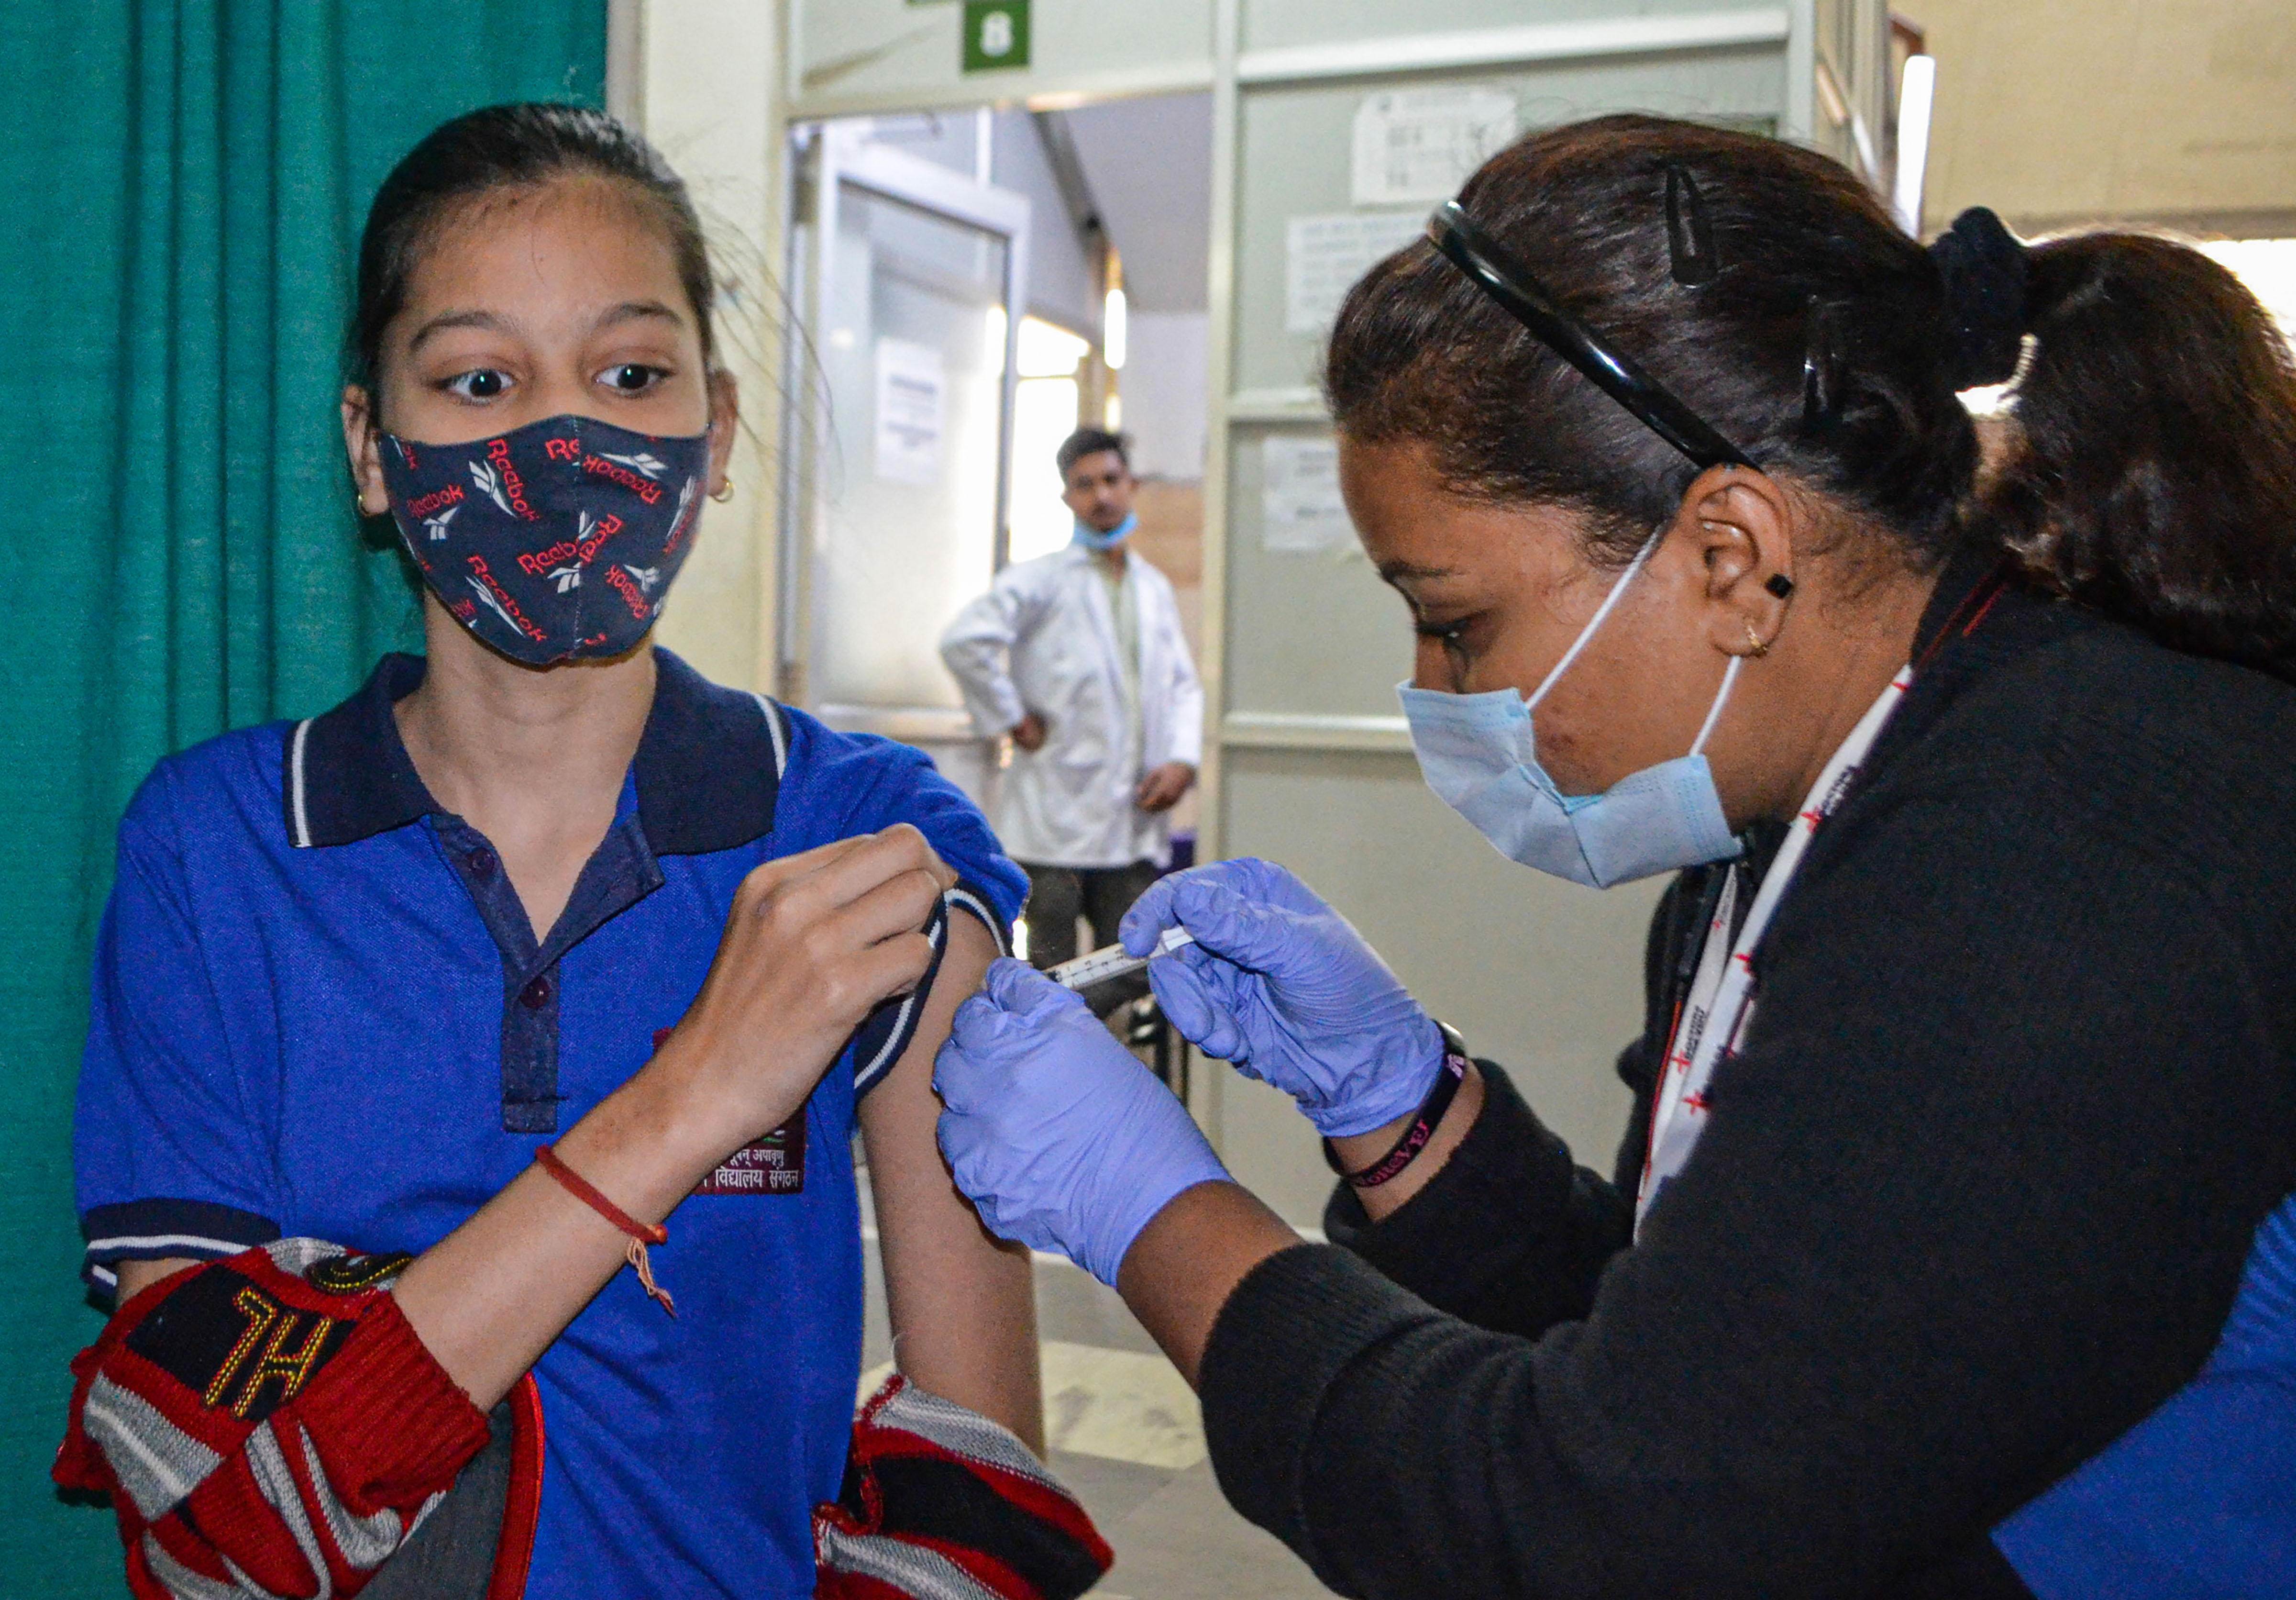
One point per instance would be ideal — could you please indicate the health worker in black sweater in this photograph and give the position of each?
(1965, 1080)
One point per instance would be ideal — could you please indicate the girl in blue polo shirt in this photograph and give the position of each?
(539, 957)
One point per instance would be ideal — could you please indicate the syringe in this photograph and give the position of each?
(1111, 962)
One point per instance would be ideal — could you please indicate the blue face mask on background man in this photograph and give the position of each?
(1479, 754)
(1092, 538)
(553, 542)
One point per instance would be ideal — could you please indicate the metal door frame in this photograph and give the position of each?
(838, 157)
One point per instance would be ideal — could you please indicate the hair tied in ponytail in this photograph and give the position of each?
(1983, 266)
(1689, 235)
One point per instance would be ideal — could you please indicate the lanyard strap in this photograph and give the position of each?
(1720, 1005)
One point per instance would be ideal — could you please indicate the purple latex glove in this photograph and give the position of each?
(1063, 1140)
(1283, 986)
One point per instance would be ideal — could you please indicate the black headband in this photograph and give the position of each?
(1524, 298)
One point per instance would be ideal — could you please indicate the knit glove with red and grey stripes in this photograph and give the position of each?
(267, 1424)
(941, 1504)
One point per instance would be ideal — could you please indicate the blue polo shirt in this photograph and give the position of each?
(319, 1011)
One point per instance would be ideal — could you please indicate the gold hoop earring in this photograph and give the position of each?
(724, 495)
(1757, 646)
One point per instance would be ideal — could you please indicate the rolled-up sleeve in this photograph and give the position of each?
(883, 783)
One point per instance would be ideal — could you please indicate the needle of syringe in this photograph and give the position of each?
(1111, 961)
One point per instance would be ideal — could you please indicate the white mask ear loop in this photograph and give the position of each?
(1610, 602)
(1721, 698)
(1602, 613)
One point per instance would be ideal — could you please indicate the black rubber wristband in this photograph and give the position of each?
(1421, 1133)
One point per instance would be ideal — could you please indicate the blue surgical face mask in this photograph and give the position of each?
(1092, 539)
(1479, 754)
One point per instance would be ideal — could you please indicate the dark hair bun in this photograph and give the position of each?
(1983, 266)
(2153, 472)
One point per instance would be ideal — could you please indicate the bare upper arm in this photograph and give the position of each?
(963, 1303)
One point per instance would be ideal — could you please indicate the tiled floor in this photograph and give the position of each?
(1127, 1436)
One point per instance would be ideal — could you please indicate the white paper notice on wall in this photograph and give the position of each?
(912, 413)
(1420, 144)
(1324, 256)
(1299, 504)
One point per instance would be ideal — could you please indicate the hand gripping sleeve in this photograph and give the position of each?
(941, 1504)
(268, 1424)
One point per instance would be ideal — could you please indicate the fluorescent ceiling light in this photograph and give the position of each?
(1114, 330)
(1916, 97)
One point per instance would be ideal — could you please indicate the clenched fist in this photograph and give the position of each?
(814, 943)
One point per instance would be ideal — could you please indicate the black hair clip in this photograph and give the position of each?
(1524, 298)
(1689, 235)
(1821, 368)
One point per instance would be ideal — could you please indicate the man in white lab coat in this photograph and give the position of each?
(1079, 655)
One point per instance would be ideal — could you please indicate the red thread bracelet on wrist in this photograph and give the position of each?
(641, 1234)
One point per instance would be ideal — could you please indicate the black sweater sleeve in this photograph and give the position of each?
(1973, 1199)
(1511, 1234)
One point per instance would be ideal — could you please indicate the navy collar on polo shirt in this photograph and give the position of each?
(706, 775)
(708, 764)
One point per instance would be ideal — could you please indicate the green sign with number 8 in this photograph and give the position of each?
(996, 35)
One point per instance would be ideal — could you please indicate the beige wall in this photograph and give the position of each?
(698, 75)
(1171, 538)
(2065, 110)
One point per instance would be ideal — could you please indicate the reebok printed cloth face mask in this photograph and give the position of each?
(553, 542)
(1479, 754)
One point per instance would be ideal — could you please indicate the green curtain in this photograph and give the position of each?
(179, 210)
